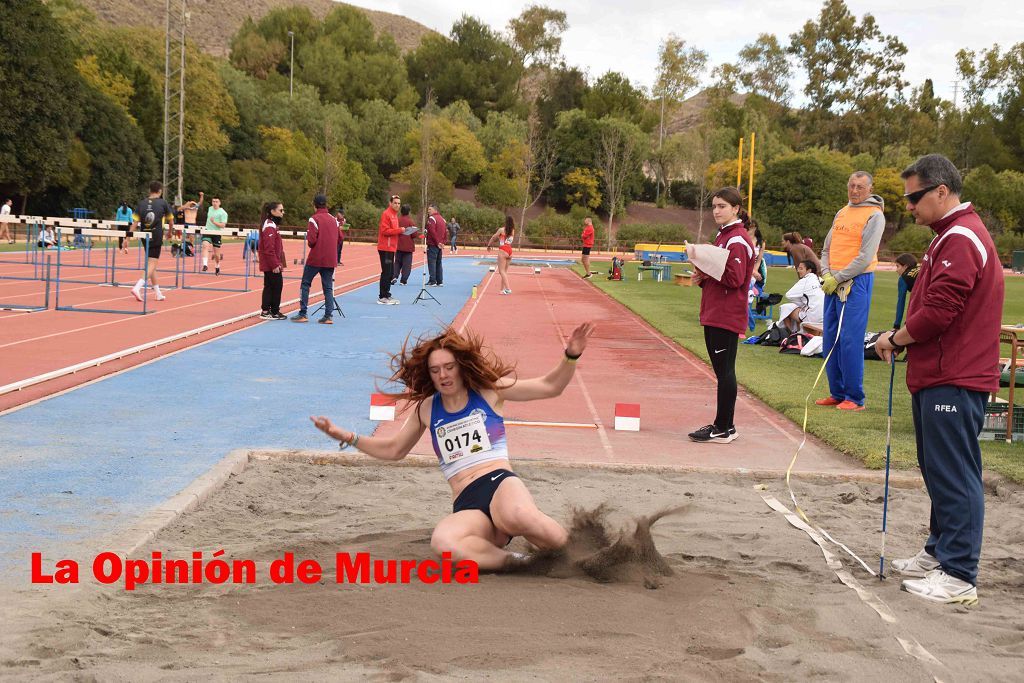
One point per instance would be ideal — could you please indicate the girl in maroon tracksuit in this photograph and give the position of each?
(723, 309)
(272, 260)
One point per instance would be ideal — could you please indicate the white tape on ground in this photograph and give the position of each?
(909, 644)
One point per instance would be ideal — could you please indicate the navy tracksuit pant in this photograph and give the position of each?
(947, 421)
(845, 368)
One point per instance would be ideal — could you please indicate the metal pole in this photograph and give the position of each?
(291, 65)
(739, 165)
(179, 192)
(750, 190)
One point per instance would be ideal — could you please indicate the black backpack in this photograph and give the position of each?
(773, 336)
(794, 343)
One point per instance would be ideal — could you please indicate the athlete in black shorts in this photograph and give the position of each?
(150, 215)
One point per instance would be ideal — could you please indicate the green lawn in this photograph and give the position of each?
(783, 381)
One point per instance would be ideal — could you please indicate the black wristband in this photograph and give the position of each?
(572, 357)
(892, 340)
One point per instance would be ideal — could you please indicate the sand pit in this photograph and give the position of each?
(747, 596)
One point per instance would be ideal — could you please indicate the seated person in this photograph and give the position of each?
(906, 266)
(46, 238)
(805, 301)
(797, 251)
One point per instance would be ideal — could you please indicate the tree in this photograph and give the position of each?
(584, 188)
(623, 146)
(802, 191)
(764, 69)
(505, 181)
(850, 66)
(475, 65)
(455, 151)
(537, 34)
(563, 90)
(42, 99)
(614, 95)
(679, 72)
(500, 130)
(538, 165)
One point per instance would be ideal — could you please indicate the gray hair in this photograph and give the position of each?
(863, 174)
(935, 169)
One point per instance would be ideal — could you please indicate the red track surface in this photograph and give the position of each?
(627, 361)
(36, 343)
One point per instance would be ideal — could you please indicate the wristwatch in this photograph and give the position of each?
(892, 340)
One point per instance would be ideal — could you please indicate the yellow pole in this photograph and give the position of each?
(739, 165)
(750, 190)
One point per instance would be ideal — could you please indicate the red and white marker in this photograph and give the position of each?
(627, 417)
(382, 408)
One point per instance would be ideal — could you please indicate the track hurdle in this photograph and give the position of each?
(100, 232)
(29, 308)
(33, 252)
(199, 232)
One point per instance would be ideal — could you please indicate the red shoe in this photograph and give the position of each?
(827, 401)
(849, 405)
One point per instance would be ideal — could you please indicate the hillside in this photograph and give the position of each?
(213, 22)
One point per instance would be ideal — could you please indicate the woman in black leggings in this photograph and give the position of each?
(723, 309)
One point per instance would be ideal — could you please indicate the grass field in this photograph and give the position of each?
(783, 381)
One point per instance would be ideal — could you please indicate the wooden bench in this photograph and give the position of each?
(661, 271)
(684, 279)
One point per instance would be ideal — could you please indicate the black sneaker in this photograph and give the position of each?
(300, 318)
(712, 434)
(266, 315)
(217, 272)
(279, 316)
(325, 321)
(205, 269)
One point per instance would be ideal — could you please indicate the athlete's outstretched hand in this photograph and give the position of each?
(325, 425)
(578, 340)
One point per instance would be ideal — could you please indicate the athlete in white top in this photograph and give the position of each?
(459, 390)
(5, 232)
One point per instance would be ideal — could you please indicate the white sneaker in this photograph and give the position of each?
(160, 297)
(918, 565)
(383, 301)
(938, 586)
(392, 301)
(506, 291)
(137, 293)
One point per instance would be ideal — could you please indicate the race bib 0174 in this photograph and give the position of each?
(463, 437)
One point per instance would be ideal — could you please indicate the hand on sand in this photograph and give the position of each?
(578, 340)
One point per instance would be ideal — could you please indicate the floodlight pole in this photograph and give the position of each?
(291, 64)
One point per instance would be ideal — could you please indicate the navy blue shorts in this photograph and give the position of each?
(478, 495)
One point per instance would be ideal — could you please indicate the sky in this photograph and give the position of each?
(620, 36)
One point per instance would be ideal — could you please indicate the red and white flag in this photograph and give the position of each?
(627, 417)
(382, 407)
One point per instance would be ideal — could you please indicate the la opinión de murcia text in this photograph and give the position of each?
(360, 567)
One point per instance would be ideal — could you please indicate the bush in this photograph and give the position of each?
(362, 215)
(552, 224)
(665, 233)
(913, 239)
(473, 220)
(685, 193)
(1009, 242)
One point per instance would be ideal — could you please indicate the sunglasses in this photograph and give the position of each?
(915, 197)
(395, 198)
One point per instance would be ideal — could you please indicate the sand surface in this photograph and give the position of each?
(749, 596)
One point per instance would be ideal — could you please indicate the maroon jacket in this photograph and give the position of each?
(437, 231)
(956, 308)
(723, 303)
(271, 247)
(322, 238)
(405, 242)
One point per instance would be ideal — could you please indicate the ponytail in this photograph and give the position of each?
(265, 212)
(745, 217)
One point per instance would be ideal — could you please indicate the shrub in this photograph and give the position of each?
(912, 238)
(685, 193)
(362, 215)
(551, 224)
(665, 233)
(473, 220)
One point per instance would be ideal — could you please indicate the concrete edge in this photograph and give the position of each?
(126, 541)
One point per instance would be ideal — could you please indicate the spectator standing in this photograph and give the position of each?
(339, 215)
(952, 342)
(437, 235)
(723, 309)
(272, 260)
(848, 261)
(123, 215)
(406, 248)
(5, 232)
(388, 231)
(322, 259)
(587, 238)
(798, 251)
(906, 266)
(453, 232)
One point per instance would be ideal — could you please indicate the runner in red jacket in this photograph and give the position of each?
(723, 309)
(952, 340)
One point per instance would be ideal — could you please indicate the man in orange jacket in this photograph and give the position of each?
(588, 244)
(387, 242)
(848, 261)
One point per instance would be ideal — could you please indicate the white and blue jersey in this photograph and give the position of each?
(468, 437)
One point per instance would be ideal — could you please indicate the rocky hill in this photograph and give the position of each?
(213, 22)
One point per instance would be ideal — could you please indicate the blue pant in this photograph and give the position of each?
(947, 421)
(326, 280)
(845, 368)
(434, 273)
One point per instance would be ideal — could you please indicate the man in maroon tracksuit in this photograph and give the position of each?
(322, 238)
(952, 340)
(437, 236)
(723, 309)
